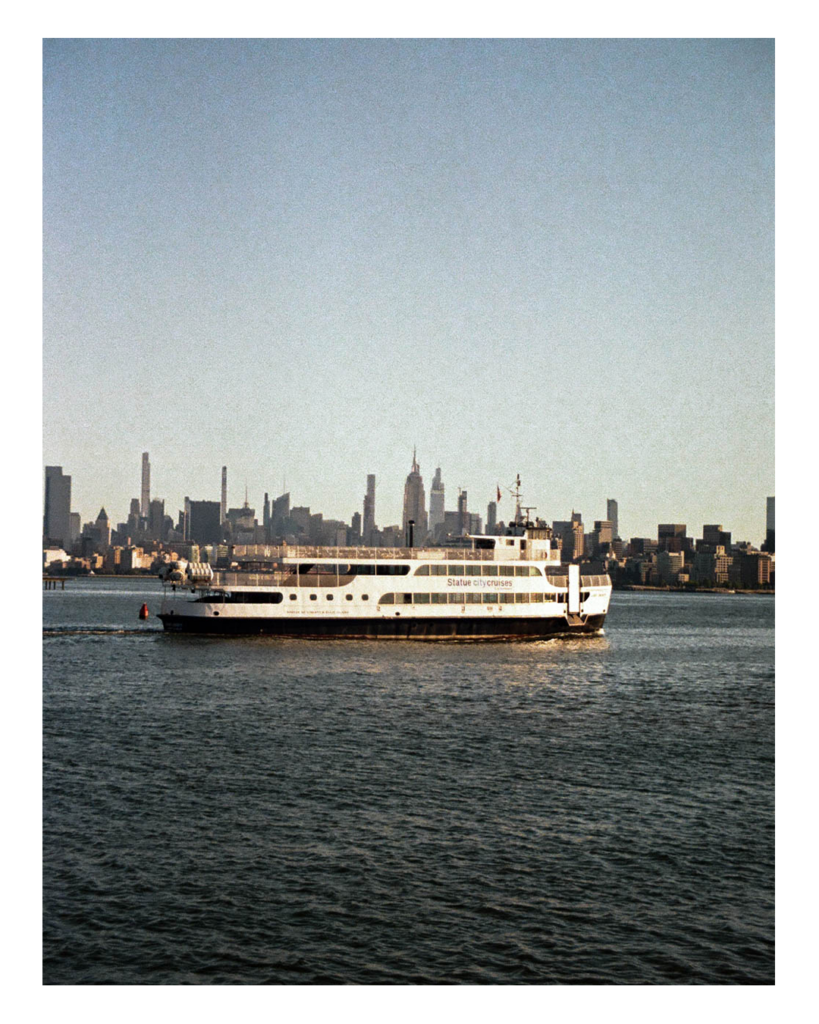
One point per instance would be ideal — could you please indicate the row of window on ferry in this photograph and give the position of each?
(520, 598)
(268, 597)
(479, 569)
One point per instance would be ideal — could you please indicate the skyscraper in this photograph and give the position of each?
(223, 505)
(415, 503)
(436, 501)
(611, 516)
(770, 525)
(145, 504)
(491, 516)
(368, 527)
(463, 514)
(56, 517)
(156, 519)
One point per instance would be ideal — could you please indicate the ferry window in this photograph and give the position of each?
(455, 598)
(438, 570)
(489, 570)
(506, 570)
(349, 597)
(392, 570)
(521, 570)
(537, 598)
(421, 599)
(329, 597)
(490, 598)
(473, 570)
(407, 598)
(292, 597)
(365, 597)
(455, 570)
(422, 570)
(521, 598)
(507, 598)
(312, 597)
(387, 599)
(473, 598)
(439, 598)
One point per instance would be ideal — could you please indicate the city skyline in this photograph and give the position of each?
(374, 488)
(551, 257)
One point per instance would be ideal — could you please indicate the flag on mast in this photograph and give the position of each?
(499, 493)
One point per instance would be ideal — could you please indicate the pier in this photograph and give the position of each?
(50, 582)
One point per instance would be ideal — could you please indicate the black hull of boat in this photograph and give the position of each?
(393, 629)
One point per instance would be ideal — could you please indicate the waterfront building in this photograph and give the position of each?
(669, 565)
(711, 566)
(144, 508)
(611, 516)
(57, 512)
(415, 503)
(753, 569)
(436, 501)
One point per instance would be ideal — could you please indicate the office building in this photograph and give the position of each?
(223, 503)
(144, 508)
(202, 522)
(770, 525)
(611, 516)
(156, 519)
(671, 536)
(570, 532)
(436, 501)
(368, 527)
(491, 517)
(56, 516)
(463, 514)
(415, 504)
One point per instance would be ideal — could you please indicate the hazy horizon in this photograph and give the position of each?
(301, 258)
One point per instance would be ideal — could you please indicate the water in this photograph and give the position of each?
(272, 811)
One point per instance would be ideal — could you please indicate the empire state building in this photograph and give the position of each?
(415, 504)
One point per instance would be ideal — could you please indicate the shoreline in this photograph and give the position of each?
(694, 590)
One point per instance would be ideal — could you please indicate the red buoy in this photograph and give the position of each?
(143, 612)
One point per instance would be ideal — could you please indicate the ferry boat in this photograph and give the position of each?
(502, 587)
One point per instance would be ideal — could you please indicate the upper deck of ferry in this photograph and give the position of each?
(532, 545)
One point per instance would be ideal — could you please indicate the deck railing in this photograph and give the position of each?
(261, 552)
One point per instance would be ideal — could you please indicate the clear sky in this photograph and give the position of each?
(302, 258)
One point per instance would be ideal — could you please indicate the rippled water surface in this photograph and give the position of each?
(264, 810)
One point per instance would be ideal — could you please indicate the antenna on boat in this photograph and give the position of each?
(515, 492)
